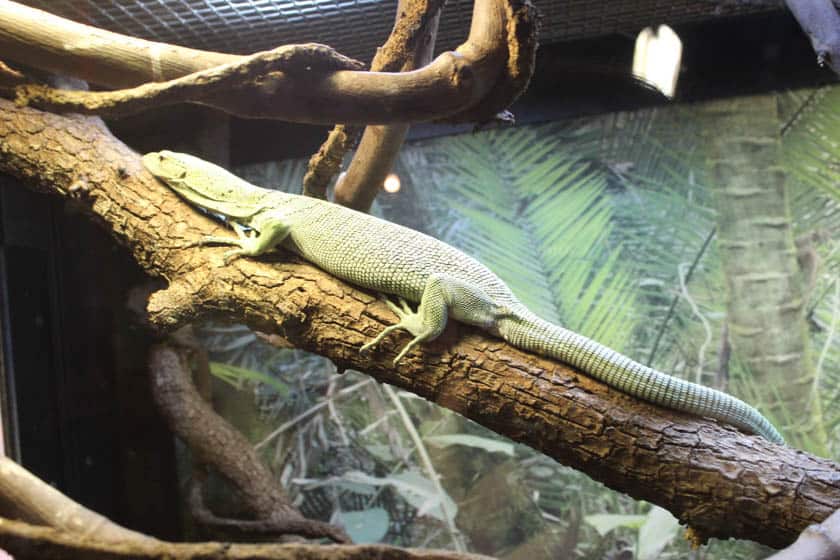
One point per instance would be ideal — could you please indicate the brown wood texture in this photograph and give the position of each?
(721, 482)
(481, 77)
(380, 145)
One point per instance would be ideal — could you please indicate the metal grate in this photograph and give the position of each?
(354, 27)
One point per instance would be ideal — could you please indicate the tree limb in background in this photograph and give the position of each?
(29, 542)
(326, 162)
(410, 25)
(410, 46)
(217, 443)
(455, 83)
(721, 482)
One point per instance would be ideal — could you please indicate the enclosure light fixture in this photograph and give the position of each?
(657, 58)
(392, 183)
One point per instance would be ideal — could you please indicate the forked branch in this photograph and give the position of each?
(474, 82)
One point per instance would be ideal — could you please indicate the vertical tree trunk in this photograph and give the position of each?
(765, 319)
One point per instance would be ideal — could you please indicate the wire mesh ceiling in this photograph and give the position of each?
(354, 27)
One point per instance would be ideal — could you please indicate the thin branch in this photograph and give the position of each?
(428, 465)
(707, 328)
(829, 339)
(310, 411)
(326, 162)
(661, 332)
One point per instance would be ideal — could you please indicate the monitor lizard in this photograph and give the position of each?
(445, 282)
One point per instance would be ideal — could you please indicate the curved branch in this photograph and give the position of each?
(455, 83)
(301, 61)
(719, 481)
(820, 20)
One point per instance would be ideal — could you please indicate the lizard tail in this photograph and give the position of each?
(529, 332)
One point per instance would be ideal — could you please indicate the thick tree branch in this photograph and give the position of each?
(302, 61)
(29, 542)
(455, 84)
(721, 482)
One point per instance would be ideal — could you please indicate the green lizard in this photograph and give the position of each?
(445, 282)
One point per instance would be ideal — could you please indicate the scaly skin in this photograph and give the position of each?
(445, 282)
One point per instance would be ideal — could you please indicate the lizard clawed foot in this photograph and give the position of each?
(410, 320)
(211, 240)
(244, 246)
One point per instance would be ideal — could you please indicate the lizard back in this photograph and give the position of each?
(380, 255)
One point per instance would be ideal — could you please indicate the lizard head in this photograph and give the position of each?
(166, 165)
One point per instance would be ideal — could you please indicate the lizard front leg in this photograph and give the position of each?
(272, 231)
(442, 295)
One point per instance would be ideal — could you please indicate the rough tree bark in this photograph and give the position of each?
(719, 481)
(473, 83)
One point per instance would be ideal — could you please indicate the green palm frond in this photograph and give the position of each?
(663, 213)
(811, 139)
(540, 216)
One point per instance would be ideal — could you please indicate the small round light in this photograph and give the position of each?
(392, 183)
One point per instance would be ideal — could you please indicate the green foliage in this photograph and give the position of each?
(539, 215)
(364, 526)
(490, 445)
(236, 376)
(811, 146)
